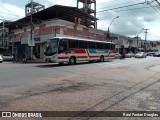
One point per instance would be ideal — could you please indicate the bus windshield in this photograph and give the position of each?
(51, 47)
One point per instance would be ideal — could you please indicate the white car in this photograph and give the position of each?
(118, 56)
(1, 59)
(141, 55)
(128, 55)
(7, 57)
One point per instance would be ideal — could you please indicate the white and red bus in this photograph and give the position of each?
(71, 50)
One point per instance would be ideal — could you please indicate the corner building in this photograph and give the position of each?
(54, 21)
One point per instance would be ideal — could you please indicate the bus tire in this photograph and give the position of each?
(102, 58)
(72, 60)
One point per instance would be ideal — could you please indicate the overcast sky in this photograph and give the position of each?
(131, 19)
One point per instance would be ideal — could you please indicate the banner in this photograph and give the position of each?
(36, 114)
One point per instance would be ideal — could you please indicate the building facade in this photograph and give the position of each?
(20, 37)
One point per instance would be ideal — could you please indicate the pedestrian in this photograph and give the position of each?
(24, 57)
(14, 58)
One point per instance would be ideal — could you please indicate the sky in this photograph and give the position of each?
(134, 15)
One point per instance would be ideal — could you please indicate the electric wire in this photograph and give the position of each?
(117, 4)
(154, 8)
(122, 7)
(128, 9)
(9, 11)
(157, 3)
(112, 1)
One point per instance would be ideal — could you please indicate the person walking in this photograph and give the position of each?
(14, 58)
(24, 58)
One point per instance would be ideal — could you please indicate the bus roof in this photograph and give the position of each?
(77, 38)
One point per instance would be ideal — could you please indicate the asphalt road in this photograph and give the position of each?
(115, 85)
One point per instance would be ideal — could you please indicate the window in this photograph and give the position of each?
(83, 44)
(99, 45)
(92, 45)
(73, 43)
(112, 46)
(107, 45)
(62, 45)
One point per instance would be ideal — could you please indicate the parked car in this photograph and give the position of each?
(1, 59)
(157, 54)
(118, 56)
(141, 55)
(151, 53)
(7, 57)
(128, 55)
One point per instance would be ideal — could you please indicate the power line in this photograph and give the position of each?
(129, 9)
(121, 7)
(154, 8)
(9, 11)
(157, 3)
(119, 4)
(112, 1)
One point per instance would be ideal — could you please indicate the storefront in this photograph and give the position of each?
(38, 48)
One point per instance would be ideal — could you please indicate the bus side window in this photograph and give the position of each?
(62, 46)
(91, 45)
(107, 46)
(99, 45)
(83, 44)
(72, 44)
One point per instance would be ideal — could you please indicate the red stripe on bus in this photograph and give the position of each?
(82, 56)
(63, 57)
(94, 56)
(79, 51)
(112, 56)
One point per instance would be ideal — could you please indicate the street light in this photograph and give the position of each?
(111, 24)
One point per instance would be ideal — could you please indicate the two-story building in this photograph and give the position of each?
(54, 21)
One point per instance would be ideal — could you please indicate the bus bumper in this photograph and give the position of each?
(51, 59)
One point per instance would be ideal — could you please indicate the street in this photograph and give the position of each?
(115, 85)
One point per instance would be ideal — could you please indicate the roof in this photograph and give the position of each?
(57, 11)
(77, 38)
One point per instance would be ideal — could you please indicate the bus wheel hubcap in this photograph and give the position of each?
(72, 61)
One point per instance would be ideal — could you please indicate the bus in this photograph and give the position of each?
(71, 50)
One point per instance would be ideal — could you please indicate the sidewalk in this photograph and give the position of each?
(36, 61)
(31, 61)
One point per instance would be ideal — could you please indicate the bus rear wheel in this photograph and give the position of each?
(102, 59)
(72, 60)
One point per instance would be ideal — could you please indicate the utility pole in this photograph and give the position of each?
(137, 41)
(146, 31)
(31, 30)
(3, 45)
(30, 9)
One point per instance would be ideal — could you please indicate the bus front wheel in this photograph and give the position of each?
(72, 60)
